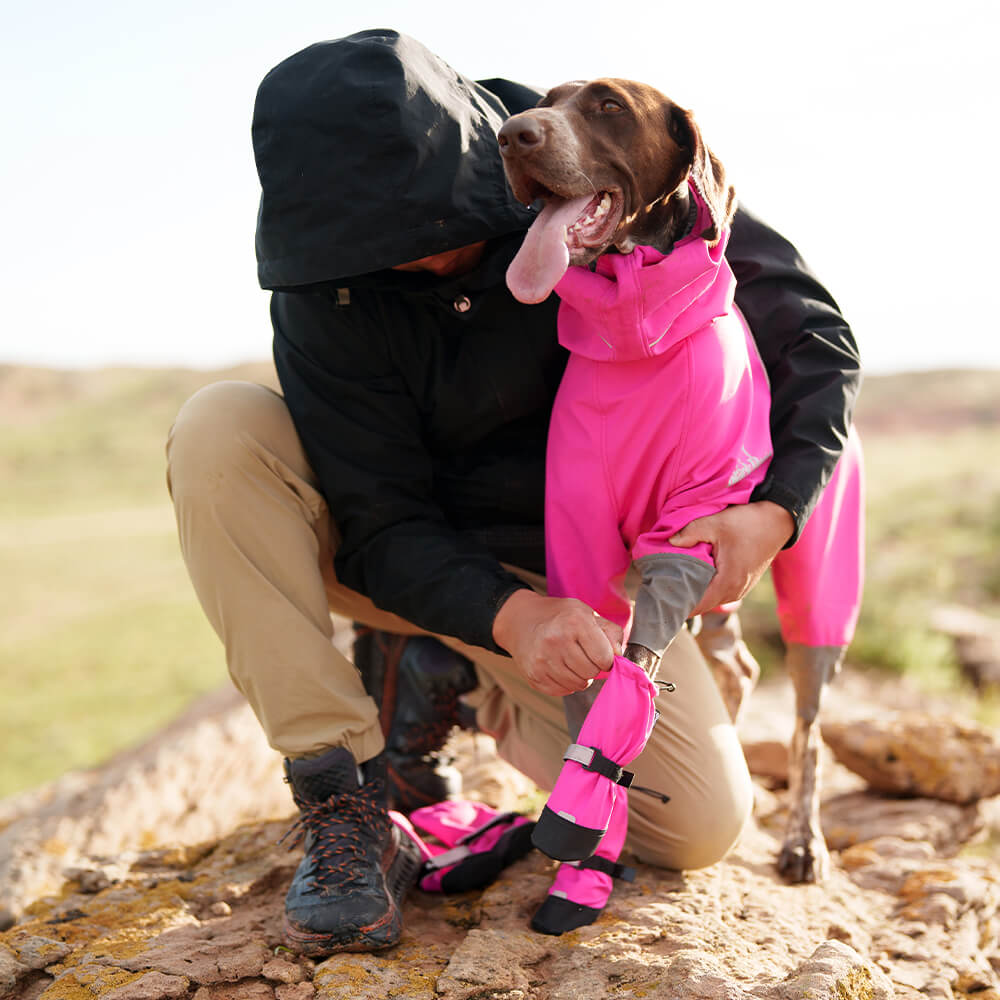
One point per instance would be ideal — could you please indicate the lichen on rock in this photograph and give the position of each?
(902, 915)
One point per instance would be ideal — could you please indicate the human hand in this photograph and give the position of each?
(744, 539)
(559, 642)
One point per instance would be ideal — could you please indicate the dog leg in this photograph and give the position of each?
(733, 666)
(804, 856)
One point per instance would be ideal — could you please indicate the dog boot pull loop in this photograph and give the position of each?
(591, 759)
(652, 792)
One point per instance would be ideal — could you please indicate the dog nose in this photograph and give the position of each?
(520, 134)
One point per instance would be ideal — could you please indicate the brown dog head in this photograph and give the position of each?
(622, 153)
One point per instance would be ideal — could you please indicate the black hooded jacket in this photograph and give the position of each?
(423, 402)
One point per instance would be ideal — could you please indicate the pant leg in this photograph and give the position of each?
(256, 536)
(818, 581)
(254, 532)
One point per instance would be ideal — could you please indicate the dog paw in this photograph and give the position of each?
(804, 860)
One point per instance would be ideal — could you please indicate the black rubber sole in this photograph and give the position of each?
(557, 916)
(563, 840)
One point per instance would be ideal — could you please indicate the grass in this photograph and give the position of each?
(933, 528)
(102, 641)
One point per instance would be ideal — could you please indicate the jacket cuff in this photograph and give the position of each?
(785, 497)
(498, 603)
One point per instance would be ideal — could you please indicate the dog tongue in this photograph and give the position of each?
(544, 256)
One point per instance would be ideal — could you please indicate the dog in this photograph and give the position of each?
(631, 193)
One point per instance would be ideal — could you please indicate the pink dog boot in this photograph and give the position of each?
(616, 729)
(581, 889)
(473, 843)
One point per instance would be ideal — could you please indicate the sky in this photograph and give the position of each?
(866, 132)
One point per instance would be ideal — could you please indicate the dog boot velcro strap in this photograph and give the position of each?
(608, 867)
(591, 759)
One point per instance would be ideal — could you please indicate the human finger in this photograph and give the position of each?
(702, 529)
(615, 633)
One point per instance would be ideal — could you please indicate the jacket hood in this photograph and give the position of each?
(642, 304)
(371, 151)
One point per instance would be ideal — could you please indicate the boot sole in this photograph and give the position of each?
(557, 916)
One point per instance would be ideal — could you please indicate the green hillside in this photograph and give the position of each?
(101, 640)
(933, 519)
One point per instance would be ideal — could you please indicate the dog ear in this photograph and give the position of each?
(707, 172)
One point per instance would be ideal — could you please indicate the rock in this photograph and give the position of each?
(203, 922)
(835, 971)
(734, 931)
(283, 972)
(151, 986)
(885, 862)
(768, 759)
(497, 959)
(189, 951)
(36, 951)
(11, 973)
(241, 991)
(300, 991)
(692, 973)
(977, 643)
(196, 780)
(857, 817)
(914, 753)
(87, 878)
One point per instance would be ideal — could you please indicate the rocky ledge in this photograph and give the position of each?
(912, 909)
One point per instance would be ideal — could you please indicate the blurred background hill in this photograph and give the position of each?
(102, 641)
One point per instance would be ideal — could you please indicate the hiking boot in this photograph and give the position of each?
(347, 891)
(416, 681)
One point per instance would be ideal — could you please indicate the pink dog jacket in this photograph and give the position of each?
(661, 418)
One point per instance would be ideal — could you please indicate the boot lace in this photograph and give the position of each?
(343, 829)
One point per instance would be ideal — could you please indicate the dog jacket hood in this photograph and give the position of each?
(642, 304)
(371, 152)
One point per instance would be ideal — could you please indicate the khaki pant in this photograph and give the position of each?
(257, 538)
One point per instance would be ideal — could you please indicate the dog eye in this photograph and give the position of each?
(611, 107)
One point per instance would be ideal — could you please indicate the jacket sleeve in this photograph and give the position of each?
(360, 428)
(811, 359)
